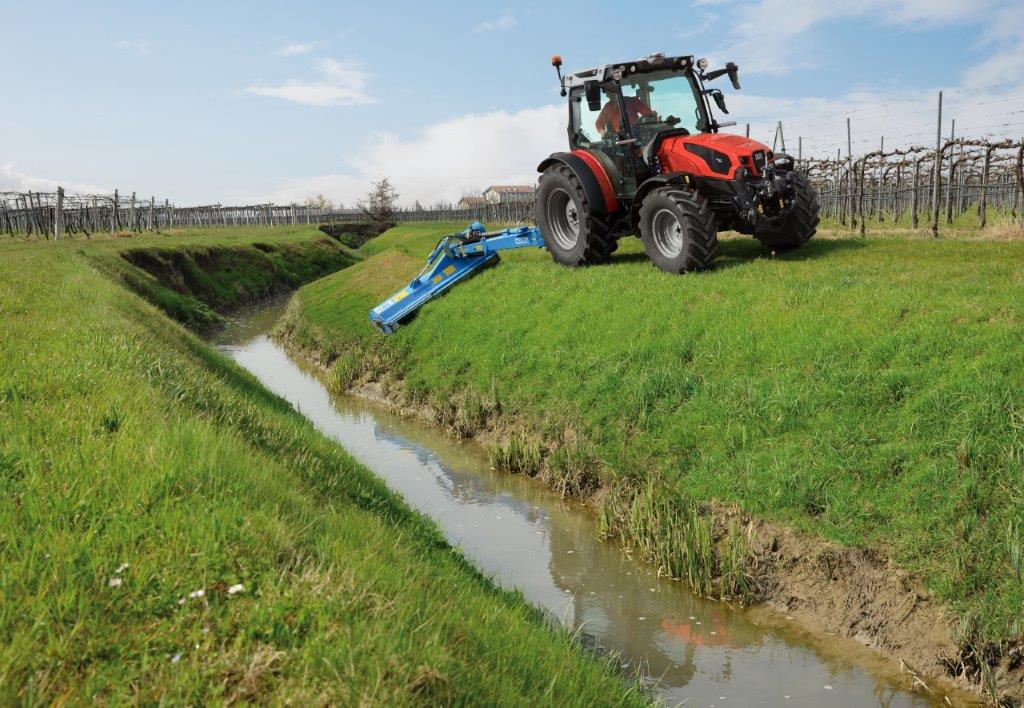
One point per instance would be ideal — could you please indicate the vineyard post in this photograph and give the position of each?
(131, 215)
(58, 214)
(113, 215)
(152, 211)
(849, 162)
(1020, 179)
(949, 179)
(879, 175)
(937, 173)
(860, 196)
(914, 198)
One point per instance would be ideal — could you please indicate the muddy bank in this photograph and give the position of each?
(822, 586)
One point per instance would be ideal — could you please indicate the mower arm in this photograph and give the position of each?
(455, 258)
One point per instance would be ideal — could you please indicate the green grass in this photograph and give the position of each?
(194, 275)
(870, 391)
(138, 466)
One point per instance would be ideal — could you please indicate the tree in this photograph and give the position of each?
(379, 204)
(319, 202)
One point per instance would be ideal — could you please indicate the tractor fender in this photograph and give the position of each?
(592, 177)
(649, 185)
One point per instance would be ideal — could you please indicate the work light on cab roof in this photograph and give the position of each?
(647, 157)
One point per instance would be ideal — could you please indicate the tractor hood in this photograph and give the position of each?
(716, 155)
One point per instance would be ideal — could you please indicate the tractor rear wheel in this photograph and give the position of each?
(573, 233)
(801, 223)
(678, 229)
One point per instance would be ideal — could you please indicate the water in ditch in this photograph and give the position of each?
(686, 648)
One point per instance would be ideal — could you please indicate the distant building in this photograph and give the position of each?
(471, 202)
(508, 193)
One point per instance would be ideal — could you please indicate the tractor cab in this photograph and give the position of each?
(619, 119)
(642, 133)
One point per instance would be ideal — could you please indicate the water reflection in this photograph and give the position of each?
(690, 648)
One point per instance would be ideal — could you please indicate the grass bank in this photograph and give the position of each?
(869, 393)
(197, 275)
(169, 531)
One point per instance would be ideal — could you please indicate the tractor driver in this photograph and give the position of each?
(610, 117)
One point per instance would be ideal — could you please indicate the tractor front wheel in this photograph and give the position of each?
(572, 232)
(678, 229)
(801, 223)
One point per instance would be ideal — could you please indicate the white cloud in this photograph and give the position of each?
(298, 48)
(902, 117)
(444, 160)
(780, 22)
(1005, 37)
(506, 21)
(13, 181)
(342, 84)
(135, 45)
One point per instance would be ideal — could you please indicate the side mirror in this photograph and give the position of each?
(720, 101)
(593, 91)
(734, 75)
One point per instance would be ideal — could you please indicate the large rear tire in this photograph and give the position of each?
(572, 231)
(678, 229)
(801, 224)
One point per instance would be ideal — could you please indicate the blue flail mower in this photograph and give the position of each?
(455, 258)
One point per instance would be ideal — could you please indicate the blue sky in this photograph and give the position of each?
(255, 101)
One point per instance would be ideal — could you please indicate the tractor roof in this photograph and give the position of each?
(654, 62)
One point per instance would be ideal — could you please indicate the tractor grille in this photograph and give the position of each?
(759, 161)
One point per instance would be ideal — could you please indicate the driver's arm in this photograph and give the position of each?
(642, 109)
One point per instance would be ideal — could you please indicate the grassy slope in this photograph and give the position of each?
(870, 391)
(124, 439)
(193, 275)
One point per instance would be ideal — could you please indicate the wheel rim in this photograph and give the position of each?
(668, 233)
(563, 219)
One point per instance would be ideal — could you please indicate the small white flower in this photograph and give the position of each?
(234, 589)
(115, 582)
(181, 601)
(176, 658)
(197, 593)
(121, 568)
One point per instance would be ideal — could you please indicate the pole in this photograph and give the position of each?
(782, 137)
(849, 162)
(937, 172)
(748, 130)
(58, 215)
(949, 180)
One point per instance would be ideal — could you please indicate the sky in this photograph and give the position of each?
(254, 102)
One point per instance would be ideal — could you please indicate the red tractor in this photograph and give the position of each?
(646, 156)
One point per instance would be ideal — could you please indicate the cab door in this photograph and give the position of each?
(596, 125)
